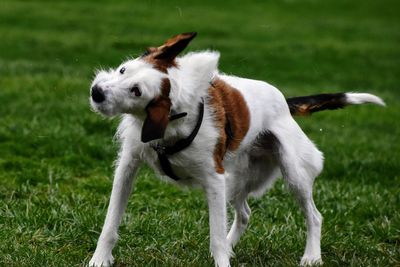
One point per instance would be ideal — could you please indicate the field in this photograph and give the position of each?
(56, 155)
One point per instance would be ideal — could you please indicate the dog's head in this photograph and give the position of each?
(141, 87)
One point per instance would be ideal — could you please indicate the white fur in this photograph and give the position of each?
(361, 98)
(249, 170)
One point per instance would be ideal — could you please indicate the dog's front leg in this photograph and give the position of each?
(122, 187)
(215, 191)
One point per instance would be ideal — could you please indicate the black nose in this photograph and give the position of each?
(97, 94)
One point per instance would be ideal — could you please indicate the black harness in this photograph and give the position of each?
(164, 151)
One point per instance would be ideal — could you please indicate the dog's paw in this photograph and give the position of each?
(101, 260)
(307, 260)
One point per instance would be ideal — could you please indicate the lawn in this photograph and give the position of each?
(56, 156)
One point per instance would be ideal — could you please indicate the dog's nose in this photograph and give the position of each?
(97, 94)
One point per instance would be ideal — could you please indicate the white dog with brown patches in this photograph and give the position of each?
(231, 136)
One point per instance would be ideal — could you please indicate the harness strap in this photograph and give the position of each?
(166, 166)
(164, 151)
(174, 116)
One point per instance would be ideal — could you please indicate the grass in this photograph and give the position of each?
(56, 155)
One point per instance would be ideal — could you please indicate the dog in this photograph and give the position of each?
(195, 126)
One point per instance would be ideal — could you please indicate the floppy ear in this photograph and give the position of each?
(173, 46)
(157, 119)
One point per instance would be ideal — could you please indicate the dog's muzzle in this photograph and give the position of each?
(98, 94)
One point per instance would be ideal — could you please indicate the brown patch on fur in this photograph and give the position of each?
(157, 118)
(157, 111)
(302, 110)
(165, 87)
(232, 117)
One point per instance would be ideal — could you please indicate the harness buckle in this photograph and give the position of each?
(160, 149)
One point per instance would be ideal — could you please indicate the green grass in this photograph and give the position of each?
(56, 155)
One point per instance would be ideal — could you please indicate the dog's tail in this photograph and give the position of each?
(306, 105)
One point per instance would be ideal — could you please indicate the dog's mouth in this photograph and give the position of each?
(103, 108)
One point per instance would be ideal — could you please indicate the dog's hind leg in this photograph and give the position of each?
(261, 172)
(300, 163)
(242, 216)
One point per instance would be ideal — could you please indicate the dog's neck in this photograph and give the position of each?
(181, 127)
(189, 81)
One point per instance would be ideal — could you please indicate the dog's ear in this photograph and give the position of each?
(173, 46)
(157, 119)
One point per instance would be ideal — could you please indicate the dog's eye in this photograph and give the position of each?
(122, 70)
(135, 90)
